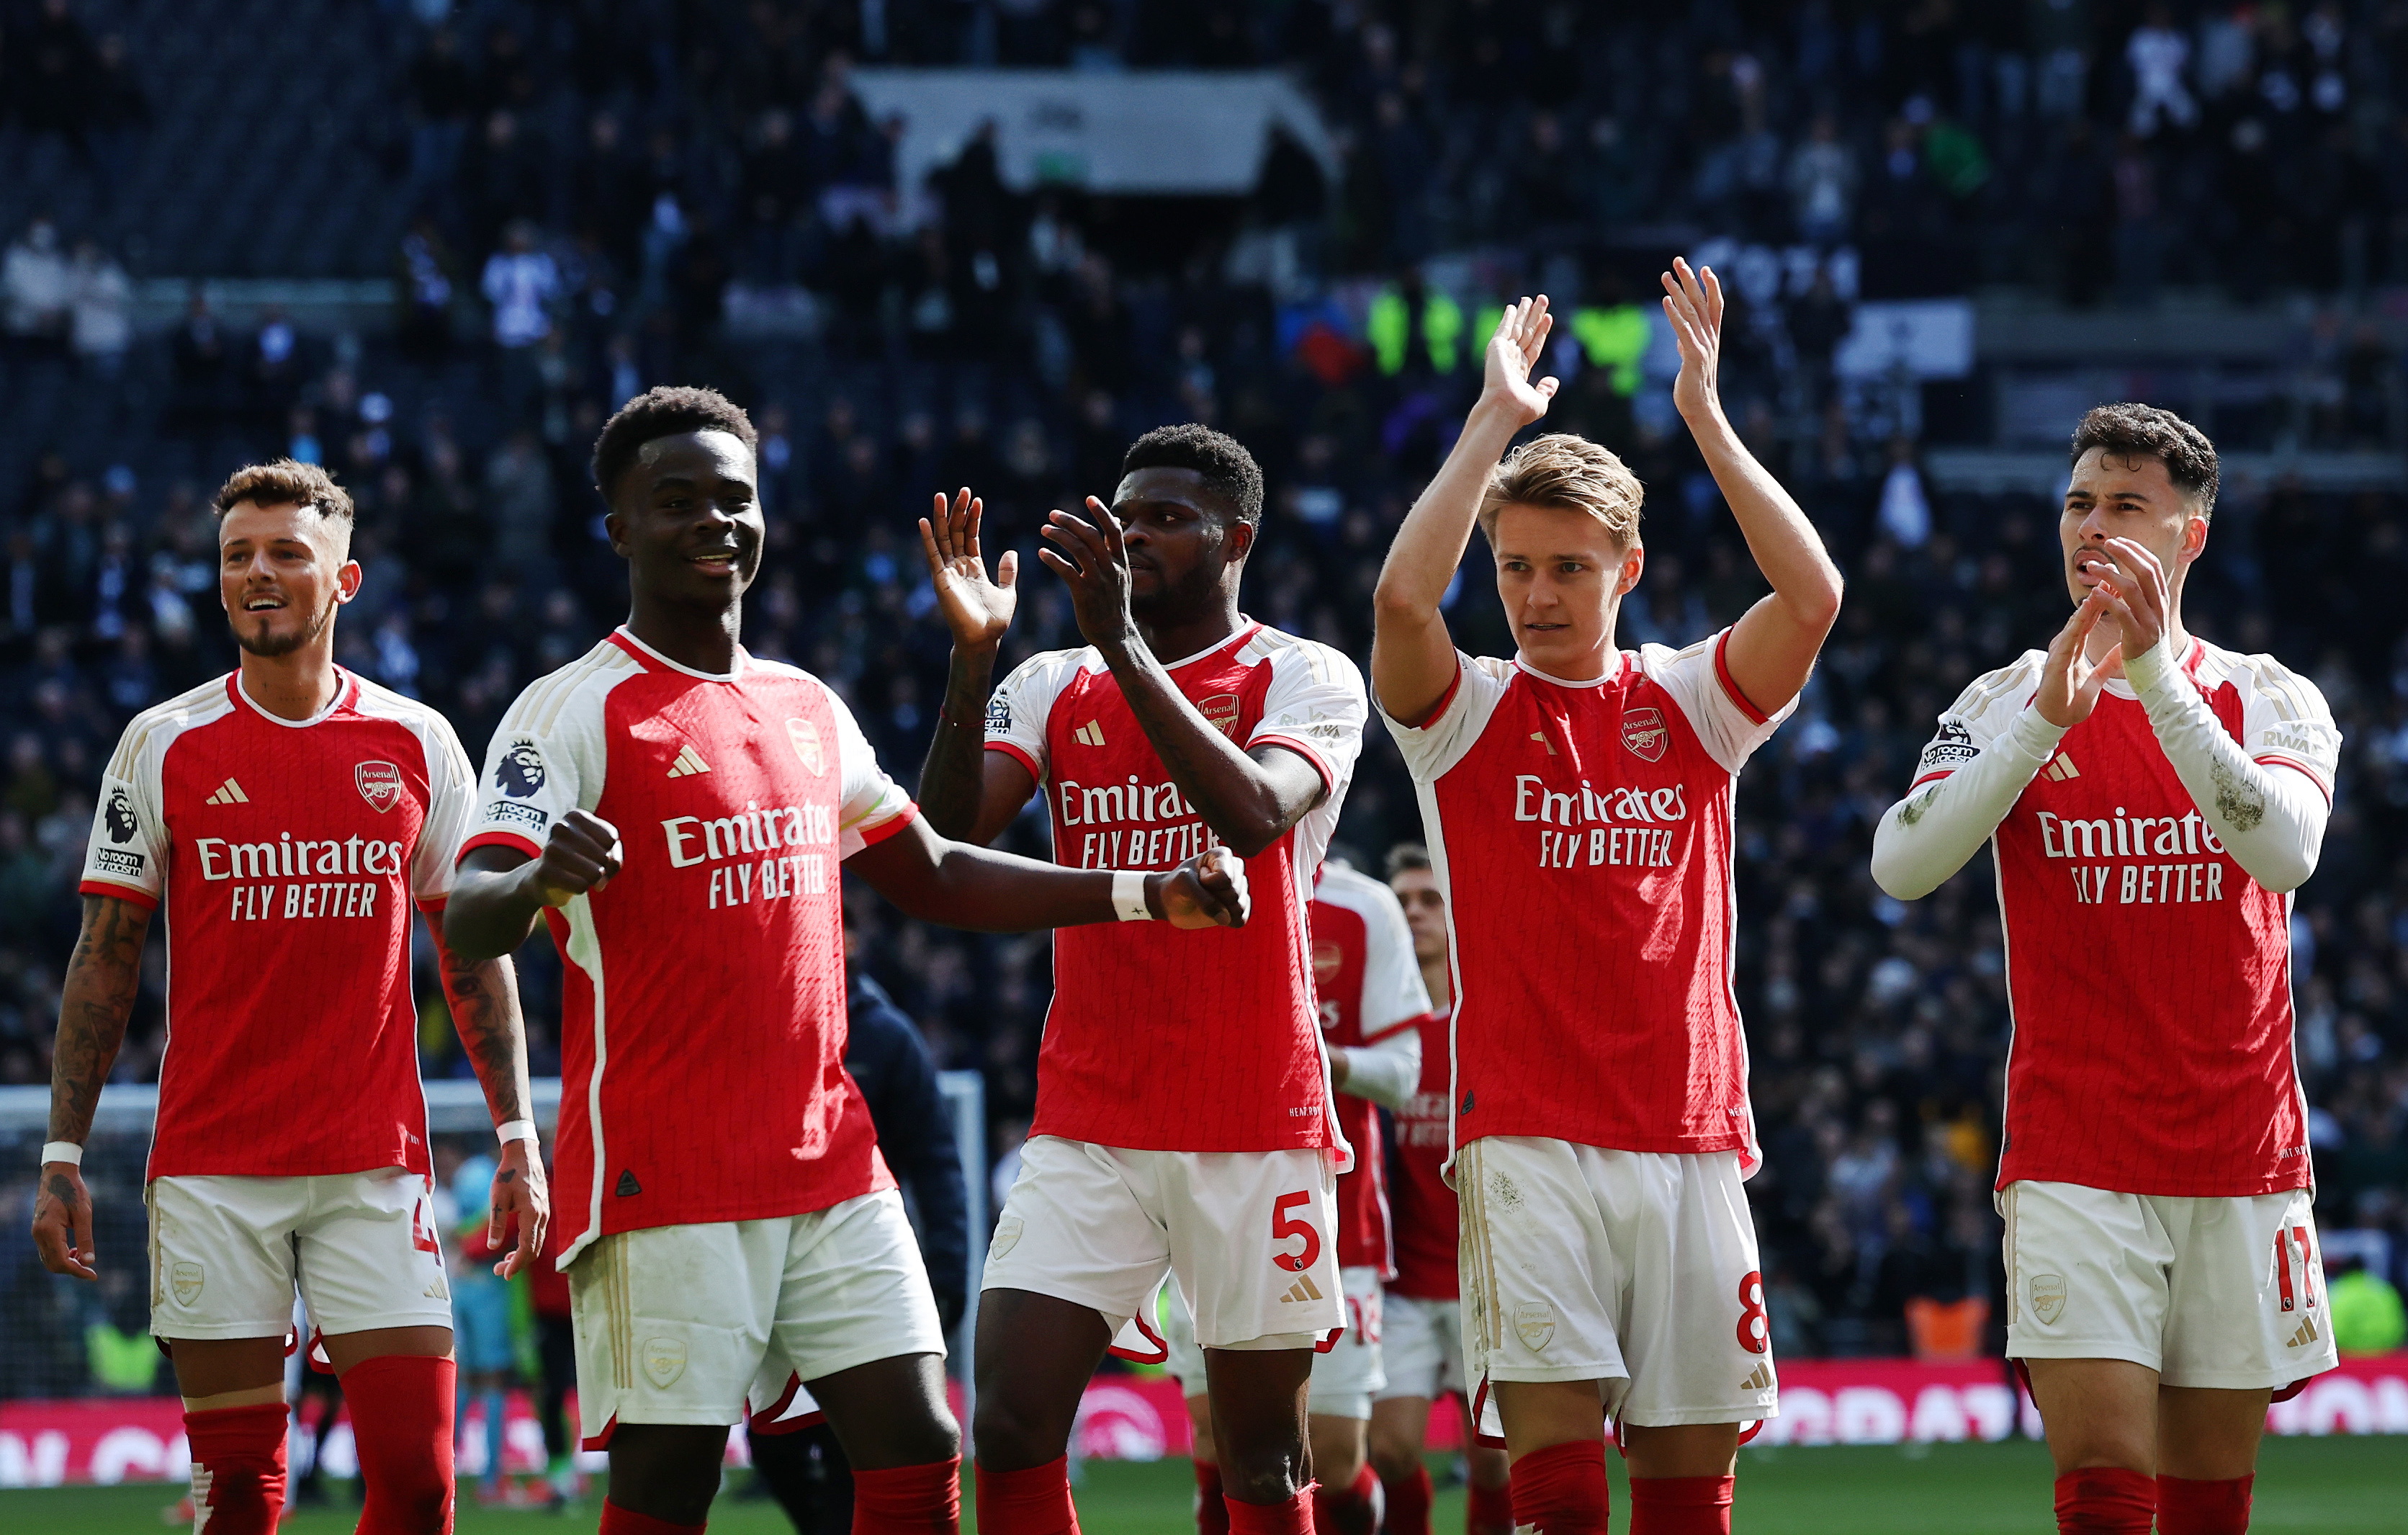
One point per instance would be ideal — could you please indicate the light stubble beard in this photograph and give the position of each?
(266, 644)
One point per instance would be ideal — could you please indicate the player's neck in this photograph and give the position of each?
(1439, 982)
(697, 639)
(1173, 638)
(295, 687)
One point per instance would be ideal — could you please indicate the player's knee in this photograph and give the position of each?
(1264, 1469)
(1338, 1450)
(1014, 1435)
(1393, 1458)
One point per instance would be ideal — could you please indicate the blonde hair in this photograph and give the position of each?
(1566, 473)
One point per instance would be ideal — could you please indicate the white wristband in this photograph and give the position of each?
(1128, 896)
(62, 1151)
(515, 1129)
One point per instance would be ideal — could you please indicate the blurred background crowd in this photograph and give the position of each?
(443, 239)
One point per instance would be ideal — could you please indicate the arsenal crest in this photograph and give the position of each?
(1220, 711)
(1327, 958)
(1645, 733)
(380, 784)
(806, 737)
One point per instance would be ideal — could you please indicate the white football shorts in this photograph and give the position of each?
(690, 1323)
(1347, 1373)
(227, 1253)
(1635, 1269)
(1248, 1235)
(2225, 1293)
(1421, 1346)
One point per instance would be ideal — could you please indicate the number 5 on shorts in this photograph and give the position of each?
(1282, 1228)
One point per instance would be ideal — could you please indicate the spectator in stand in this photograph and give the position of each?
(36, 291)
(100, 310)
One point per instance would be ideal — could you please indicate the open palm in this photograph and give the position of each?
(976, 609)
(1693, 302)
(1520, 340)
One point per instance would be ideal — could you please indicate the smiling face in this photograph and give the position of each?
(2125, 497)
(281, 573)
(1186, 543)
(687, 517)
(1561, 576)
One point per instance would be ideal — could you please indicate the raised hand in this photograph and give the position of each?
(1520, 340)
(2134, 586)
(63, 1221)
(2068, 679)
(976, 609)
(580, 855)
(1093, 560)
(1207, 891)
(1693, 302)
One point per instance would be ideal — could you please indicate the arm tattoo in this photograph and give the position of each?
(484, 998)
(102, 980)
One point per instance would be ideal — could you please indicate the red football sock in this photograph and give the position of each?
(1560, 1490)
(624, 1521)
(1036, 1502)
(2105, 1501)
(1351, 1510)
(1212, 1513)
(237, 1468)
(2188, 1507)
(1409, 1502)
(1681, 1505)
(401, 1418)
(1490, 1510)
(909, 1499)
(1292, 1518)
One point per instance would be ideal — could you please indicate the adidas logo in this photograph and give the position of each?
(229, 792)
(1760, 1380)
(1090, 734)
(2061, 769)
(1303, 1289)
(2306, 1335)
(689, 762)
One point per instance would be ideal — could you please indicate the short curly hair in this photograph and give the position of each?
(1566, 473)
(661, 411)
(1229, 471)
(2132, 432)
(289, 482)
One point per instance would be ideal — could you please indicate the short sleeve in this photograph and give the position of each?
(1393, 991)
(872, 807)
(2284, 722)
(1974, 720)
(1316, 707)
(127, 854)
(1698, 678)
(452, 803)
(1441, 741)
(1017, 711)
(545, 760)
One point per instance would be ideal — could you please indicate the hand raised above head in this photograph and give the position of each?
(1520, 340)
(977, 610)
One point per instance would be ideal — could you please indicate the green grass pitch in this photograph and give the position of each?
(2333, 1486)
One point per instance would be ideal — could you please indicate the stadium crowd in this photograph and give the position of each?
(587, 182)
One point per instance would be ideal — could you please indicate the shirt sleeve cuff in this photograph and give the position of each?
(1020, 756)
(1328, 778)
(2152, 669)
(1731, 689)
(1437, 711)
(871, 835)
(2034, 734)
(143, 899)
(498, 840)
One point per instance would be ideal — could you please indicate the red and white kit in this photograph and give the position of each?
(1371, 998)
(712, 1150)
(2154, 1168)
(1421, 1340)
(1183, 1107)
(288, 854)
(1582, 832)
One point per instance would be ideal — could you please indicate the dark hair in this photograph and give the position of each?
(1228, 468)
(664, 410)
(286, 483)
(1406, 856)
(2131, 432)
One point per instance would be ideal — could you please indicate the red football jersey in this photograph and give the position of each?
(1427, 1225)
(1158, 1039)
(288, 853)
(1582, 832)
(2150, 976)
(703, 1016)
(1371, 991)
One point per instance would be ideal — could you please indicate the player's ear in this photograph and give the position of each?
(1240, 538)
(1633, 563)
(613, 527)
(347, 580)
(2194, 540)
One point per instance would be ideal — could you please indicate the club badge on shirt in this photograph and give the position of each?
(380, 784)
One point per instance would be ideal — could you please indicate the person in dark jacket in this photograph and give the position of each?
(806, 1471)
